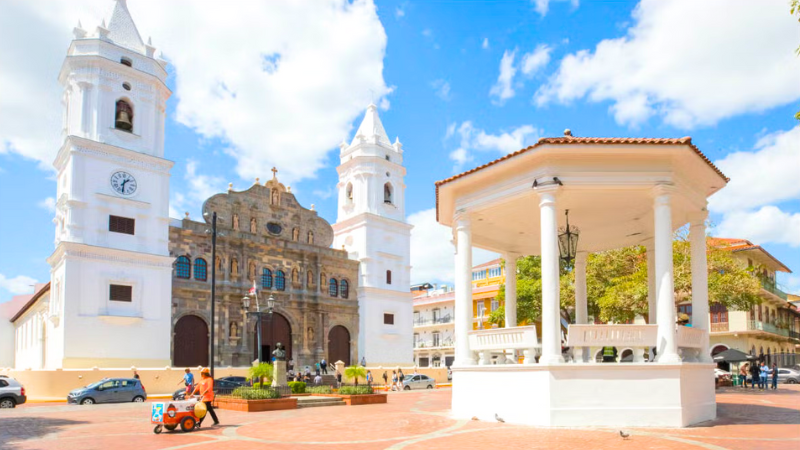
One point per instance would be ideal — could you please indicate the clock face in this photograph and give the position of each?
(123, 183)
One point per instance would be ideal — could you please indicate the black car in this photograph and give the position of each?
(221, 386)
(240, 380)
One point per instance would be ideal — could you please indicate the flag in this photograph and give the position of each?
(253, 289)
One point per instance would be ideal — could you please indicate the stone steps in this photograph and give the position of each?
(315, 402)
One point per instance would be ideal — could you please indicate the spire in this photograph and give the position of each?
(122, 29)
(372, 126)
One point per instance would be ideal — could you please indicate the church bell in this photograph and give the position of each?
(123, 121)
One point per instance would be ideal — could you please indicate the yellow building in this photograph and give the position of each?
(770, 330)
(486, 281)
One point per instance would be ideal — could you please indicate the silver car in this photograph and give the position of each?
(109, 390)
(418, 381)
(788, 376)
(12, 393)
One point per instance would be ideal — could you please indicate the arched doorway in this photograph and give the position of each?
(274, 328)
(719, 348)
(339, 345)
(190, 342)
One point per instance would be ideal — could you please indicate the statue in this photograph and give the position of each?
(253, 225)
(275, 199)
(236, 222)
(295, 234)
(234, 330)
(279, 353)
(310, 335)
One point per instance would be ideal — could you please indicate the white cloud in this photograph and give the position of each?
(536, 60)
(442, 88)
(542, 6)
(474, 139)
(432, 251)
(223, 88)
(503, 89)
(199, 188)
(17, 285)
(485, 44)
(48, 204)
(399, 12)
(761, 181)
(326, 193)
(690, 63)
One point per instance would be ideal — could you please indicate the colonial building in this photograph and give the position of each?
(269, 238)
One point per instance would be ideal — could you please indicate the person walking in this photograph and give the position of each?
(369, 378)
(754, 374)
(774, 373)
(136, 374)
(316, 369)
(188, 378)
(363, 361)
(385, 378)
(206, 390)
(400, 378)
(764, 372)
(338, 379)
(324, 365)
(394, 380)
(743, 375)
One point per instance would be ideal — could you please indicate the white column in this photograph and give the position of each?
(581, 302)
(665, 290)
(463, 286)
(551, 324)
(697, 237)
(86, 108)
(511, 290)
(651, 282)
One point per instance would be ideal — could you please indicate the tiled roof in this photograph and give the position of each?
(740, 245)
(571, 140)
(491, 263)
(31, 302)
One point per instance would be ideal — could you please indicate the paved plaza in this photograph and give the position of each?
(417, 420)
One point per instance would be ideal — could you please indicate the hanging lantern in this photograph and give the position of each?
(568, 242)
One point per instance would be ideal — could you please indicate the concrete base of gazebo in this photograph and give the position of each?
(587, 394)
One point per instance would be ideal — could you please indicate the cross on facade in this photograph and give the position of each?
(274, 173)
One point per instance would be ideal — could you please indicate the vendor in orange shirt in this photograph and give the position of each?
(206, 390)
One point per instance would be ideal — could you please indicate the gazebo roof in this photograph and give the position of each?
(607, 186)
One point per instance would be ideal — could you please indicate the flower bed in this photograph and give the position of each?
(357, 395)
(245, 405)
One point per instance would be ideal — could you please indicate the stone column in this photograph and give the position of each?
(511, 290)
(581, 302)
(463, 286)
(665, 289)
(86, 108)
(697, 237)
(551, 340)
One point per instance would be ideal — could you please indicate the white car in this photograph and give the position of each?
(418, 381)
(12, 392)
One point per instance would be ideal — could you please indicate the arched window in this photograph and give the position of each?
(349, 192)
(280, 280)
(266, 279)
(388, 277)
(387, 193)
(126, 61)
(123, 116)
(183, 268)
(333, 287)
(200, 269)
(344, 289)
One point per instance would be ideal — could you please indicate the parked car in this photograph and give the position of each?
(240, 380)
(789, 376)
(418, 381)
(221, 386)
(109, 390)
(12, 393)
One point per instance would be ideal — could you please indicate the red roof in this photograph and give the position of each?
(491, 263)
(740, 245)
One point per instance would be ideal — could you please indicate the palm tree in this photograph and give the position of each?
(261, 372)
(354, 372)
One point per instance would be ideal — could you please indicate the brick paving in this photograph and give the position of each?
(746, 420)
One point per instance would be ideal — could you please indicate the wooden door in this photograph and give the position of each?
(339, 345)
(274, 329)
(190, 342)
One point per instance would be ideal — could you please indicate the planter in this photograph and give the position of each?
(238, 404)
(360, 399)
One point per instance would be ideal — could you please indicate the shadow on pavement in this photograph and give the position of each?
(16, 429)
(751, 414)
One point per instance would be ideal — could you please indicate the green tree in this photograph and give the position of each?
(355, 372)
(262, 372)
(795, 10)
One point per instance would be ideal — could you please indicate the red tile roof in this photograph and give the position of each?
(571, 140)
(740, 245)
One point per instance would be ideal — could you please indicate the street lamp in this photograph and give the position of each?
(258, 313)
(213, 232)
(568, 242)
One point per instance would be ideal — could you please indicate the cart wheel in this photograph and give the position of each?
(170, 427)
(188, 423)
(157, 429)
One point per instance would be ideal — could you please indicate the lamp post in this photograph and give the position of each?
(568, 242)
(258, 313)
(213, 233)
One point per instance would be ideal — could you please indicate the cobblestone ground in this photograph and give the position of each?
(415, 420)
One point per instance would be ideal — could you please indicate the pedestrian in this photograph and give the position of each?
(363, 361)
(316, 369)
(206, 390)
(764, 372)
(754, 374)
(394, 380)
(338, 379)
(743, 375)
(400, 377)
(318, 380)
(324, 365)
(136, 374)
(609, 354)
(369, 378)
(385, 378)
(188, 378)
(774, 373)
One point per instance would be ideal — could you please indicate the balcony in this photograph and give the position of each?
(717, 327)
(794, 335)
(757, 325)
(771, 286)
(423, 322)
(442, 343)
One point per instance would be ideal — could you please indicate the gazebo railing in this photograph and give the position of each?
(636, 337)
(498, 340)
(690, 342)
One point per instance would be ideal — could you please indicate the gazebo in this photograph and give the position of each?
(619, 192)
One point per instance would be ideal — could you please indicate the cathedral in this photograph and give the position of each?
(132, 287)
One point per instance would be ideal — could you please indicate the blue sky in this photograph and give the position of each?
(460, 83)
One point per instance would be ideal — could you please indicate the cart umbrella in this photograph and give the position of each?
(733, 356)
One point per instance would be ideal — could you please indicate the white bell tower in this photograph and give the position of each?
(372, 227)
(111, 272)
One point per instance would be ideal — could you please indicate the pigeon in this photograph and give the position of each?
(475, 418)
(499, 419)
(624, 435)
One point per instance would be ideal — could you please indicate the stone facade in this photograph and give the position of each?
(262, 228)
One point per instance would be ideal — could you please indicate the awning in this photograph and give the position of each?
(733, 356)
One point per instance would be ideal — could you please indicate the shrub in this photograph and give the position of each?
(248, 393)
(261, 373)
(355, 372)
(355, 390)
(319, 390)
(298, 387)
